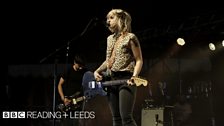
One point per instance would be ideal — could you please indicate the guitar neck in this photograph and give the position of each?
(80, 99)
(114, 82)
(76, 100)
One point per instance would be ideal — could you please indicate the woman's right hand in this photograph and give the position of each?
(97, 76)
(67, 101)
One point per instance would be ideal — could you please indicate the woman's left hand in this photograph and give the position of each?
(130, 81)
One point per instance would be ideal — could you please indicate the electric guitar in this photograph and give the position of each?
(73, 105)
(92, 87)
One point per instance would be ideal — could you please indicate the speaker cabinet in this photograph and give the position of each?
(152, 117)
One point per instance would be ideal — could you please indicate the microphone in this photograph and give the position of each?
(94, 21)
(104, 23)
(107, 25)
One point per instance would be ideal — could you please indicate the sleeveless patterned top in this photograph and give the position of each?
(123, 59)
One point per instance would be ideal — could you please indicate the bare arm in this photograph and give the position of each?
(60, 90)
(102, 67)
(61, 93)
(97, 72)
(136, 49)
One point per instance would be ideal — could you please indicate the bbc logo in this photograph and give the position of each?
(13, 114)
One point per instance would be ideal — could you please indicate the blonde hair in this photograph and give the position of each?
(124, 19)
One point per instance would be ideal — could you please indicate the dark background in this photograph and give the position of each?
(33, 30)
(35, 34)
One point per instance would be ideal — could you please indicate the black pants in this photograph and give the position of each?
(121, 100)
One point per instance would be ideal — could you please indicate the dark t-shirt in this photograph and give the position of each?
(73, 81)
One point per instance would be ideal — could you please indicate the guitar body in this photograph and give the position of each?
(91, 87)
(73, 105)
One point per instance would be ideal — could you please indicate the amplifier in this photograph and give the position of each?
(152, 117)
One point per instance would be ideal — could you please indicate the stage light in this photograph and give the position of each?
(180, 41)
(223, 43)
(211, 46)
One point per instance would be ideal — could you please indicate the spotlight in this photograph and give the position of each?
(223, 43)
(211, 46)
(180, 41)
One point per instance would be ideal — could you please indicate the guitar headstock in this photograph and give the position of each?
(139, 81)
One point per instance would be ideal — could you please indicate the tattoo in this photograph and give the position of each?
(102, 67)
(135, 41)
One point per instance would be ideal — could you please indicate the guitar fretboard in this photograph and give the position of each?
(136, 82)
(114, 82)
(80, 99)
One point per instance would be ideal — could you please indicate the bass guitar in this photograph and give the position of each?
(92, 87)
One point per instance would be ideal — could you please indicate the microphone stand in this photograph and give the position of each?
(67, 54)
